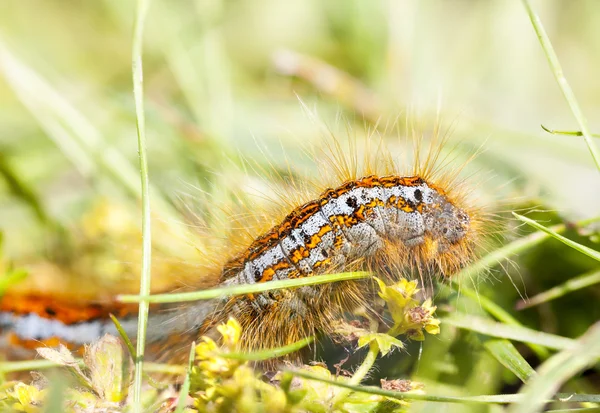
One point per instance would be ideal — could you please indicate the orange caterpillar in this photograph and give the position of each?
(371, 216)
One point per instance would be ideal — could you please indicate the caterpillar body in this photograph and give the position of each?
(374, 219)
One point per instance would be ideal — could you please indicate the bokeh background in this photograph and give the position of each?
(224, 81)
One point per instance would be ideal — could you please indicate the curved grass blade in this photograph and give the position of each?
(581, 248)
(558, 369)
(574, 284)
(124, 336)
(500, 330)
(562, 81)
(566, 132)
(243, 289)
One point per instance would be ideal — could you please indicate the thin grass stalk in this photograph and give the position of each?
(138, 93)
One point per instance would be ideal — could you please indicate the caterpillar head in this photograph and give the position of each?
(448, 241)
(446, 223)
(437, 232)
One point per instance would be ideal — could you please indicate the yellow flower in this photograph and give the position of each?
(410, 317)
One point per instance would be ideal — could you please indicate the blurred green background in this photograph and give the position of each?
(221, 76)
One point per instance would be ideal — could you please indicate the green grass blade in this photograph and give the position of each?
(185, 387)
(500, 330)
(243, 289)
(506, 353)
(581, 248)
(574, 284)
(500, 314)
(124, 336)
(558, 369)
(562, 81)
(145, 278)
(270, 353)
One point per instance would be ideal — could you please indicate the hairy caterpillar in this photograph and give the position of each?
(370, 217)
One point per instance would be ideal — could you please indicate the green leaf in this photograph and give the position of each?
(385, 342)
(506, 353)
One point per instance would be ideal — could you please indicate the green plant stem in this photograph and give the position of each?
(185, 387)
(138, 93)
(366, 365)
(360, 373)
(562, 81)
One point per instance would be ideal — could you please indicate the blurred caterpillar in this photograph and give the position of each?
(374, 218)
